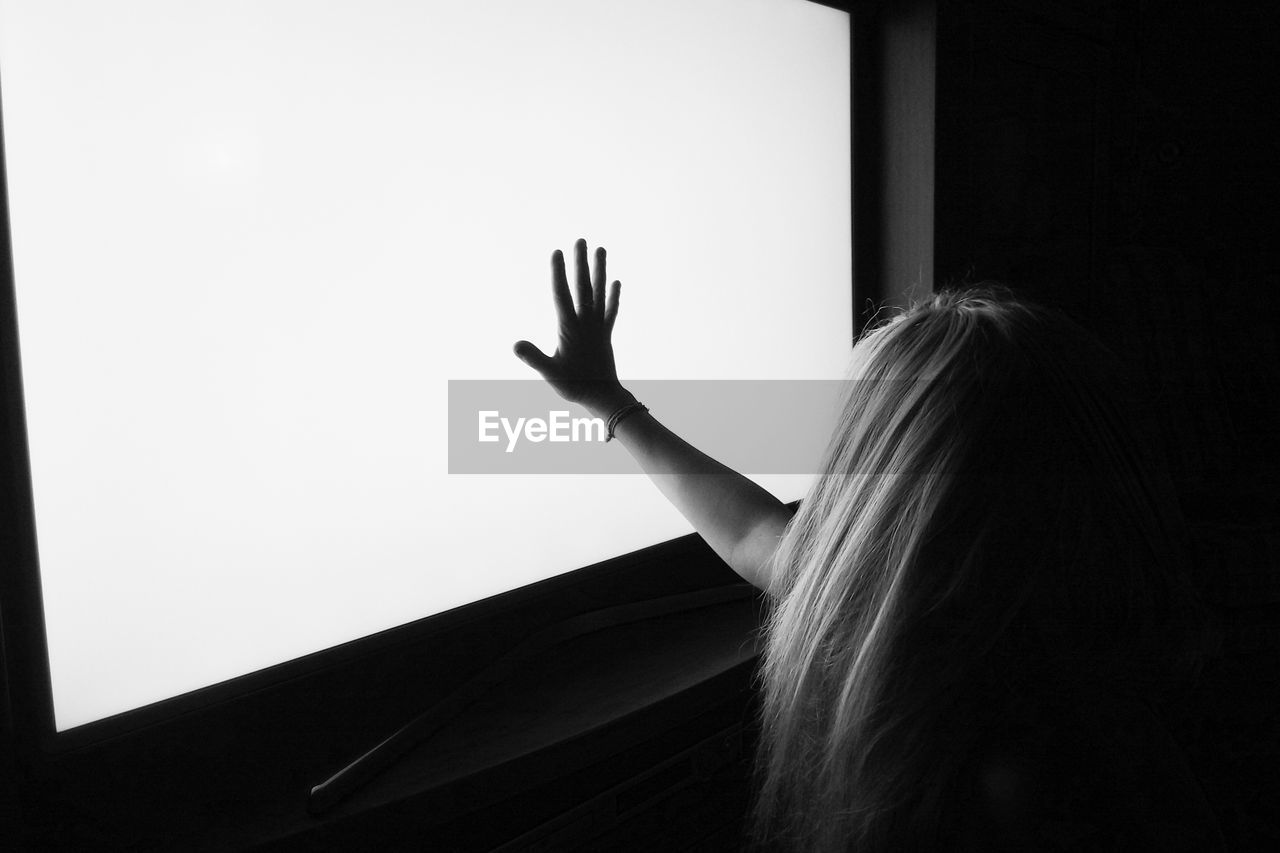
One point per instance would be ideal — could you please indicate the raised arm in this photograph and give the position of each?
(740, 521)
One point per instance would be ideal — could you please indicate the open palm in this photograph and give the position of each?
(582, 369)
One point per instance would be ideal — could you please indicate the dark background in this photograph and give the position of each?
(1118, 160)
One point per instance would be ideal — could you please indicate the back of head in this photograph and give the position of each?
(988, 527)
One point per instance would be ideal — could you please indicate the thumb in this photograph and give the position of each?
(532, 356)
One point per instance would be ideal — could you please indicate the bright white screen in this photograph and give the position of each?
(254, 238)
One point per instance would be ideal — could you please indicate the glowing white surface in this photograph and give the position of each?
(253, 240)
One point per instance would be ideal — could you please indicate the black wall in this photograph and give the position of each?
(1117, 160)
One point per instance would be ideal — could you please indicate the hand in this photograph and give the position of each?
(582, 369)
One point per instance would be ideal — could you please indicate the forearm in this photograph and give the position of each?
(741, 521)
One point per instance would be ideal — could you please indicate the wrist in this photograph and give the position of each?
(608, 402)
(621, 414)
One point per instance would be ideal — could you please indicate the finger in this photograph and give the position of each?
(597, 285)
(583, 276)
(611, 306)
(532, 356)
(560, 290)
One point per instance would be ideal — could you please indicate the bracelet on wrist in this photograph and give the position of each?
(619, 414)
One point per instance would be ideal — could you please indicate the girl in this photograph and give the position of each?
(974, 606)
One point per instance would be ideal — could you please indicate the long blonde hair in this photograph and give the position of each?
(987, 527)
